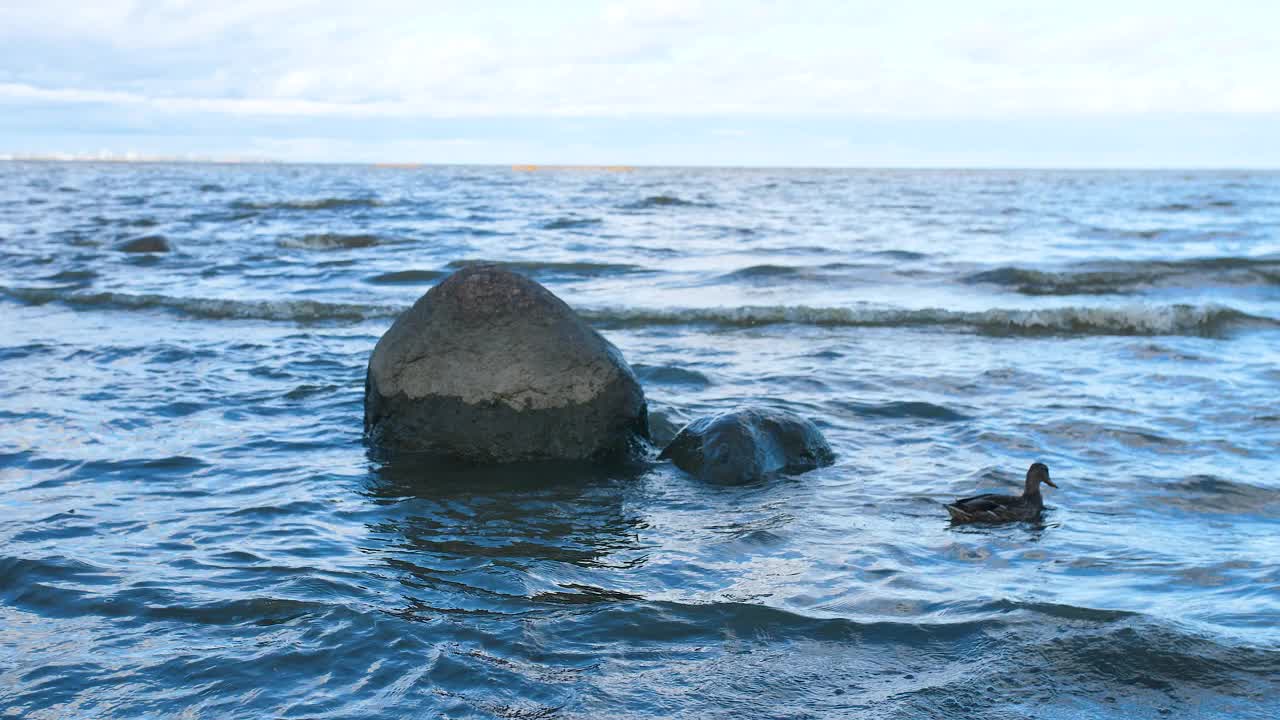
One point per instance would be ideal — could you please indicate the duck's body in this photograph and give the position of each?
(993, 508)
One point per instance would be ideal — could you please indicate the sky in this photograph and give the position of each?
(980, 83)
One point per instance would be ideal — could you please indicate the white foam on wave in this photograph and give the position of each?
(210, 308)
(1128, 320)
(1112, 320)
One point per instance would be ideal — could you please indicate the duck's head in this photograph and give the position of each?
(1036, 474)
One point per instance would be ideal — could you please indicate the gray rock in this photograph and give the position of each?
(490, 367)
(748, 444)
(145, 244)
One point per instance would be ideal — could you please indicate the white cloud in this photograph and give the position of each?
(634, 14)
(402, 58)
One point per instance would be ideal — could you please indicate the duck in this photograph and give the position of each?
(993, 508)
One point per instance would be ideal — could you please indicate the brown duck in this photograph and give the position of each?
(993, 508)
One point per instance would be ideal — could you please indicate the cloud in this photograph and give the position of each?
(666, 57)
(653, 13)
(134, 63)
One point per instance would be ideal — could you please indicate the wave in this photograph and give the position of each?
(1122, 277)
(765, 271)
(73, 276)
(209, 308)
(535, 267)
(329, 241)
(1207, 320)
(661, 201)
(772, 272)
(903, 410)
(143, 222)
(1213, 494)
(407, 277)
(999, 662)
(19, 572)
(900, 255)
(670, 375)
(1209, 203)
(570, 223)
(1110, 233)
(1078, 642)
(329, 203)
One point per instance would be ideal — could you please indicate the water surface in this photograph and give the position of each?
(191, 525)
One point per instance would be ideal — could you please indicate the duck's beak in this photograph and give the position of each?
(1050, 483)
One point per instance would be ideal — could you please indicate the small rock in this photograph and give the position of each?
(145, 244)
(748, 444)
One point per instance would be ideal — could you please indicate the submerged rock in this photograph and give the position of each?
(748, 444)
(145, 244)
(490, 367)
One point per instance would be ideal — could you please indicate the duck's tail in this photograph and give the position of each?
(958, 515)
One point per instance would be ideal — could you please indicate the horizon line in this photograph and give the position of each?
(129, 159)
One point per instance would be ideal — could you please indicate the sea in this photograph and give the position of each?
(193, 526)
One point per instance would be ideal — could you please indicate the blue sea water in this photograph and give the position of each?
(191, 525)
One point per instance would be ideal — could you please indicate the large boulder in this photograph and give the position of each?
(748, 444)
(490, 367)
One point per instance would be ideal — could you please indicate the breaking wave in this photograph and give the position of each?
(1125, 277)
(1208, 320)
(208, 308)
